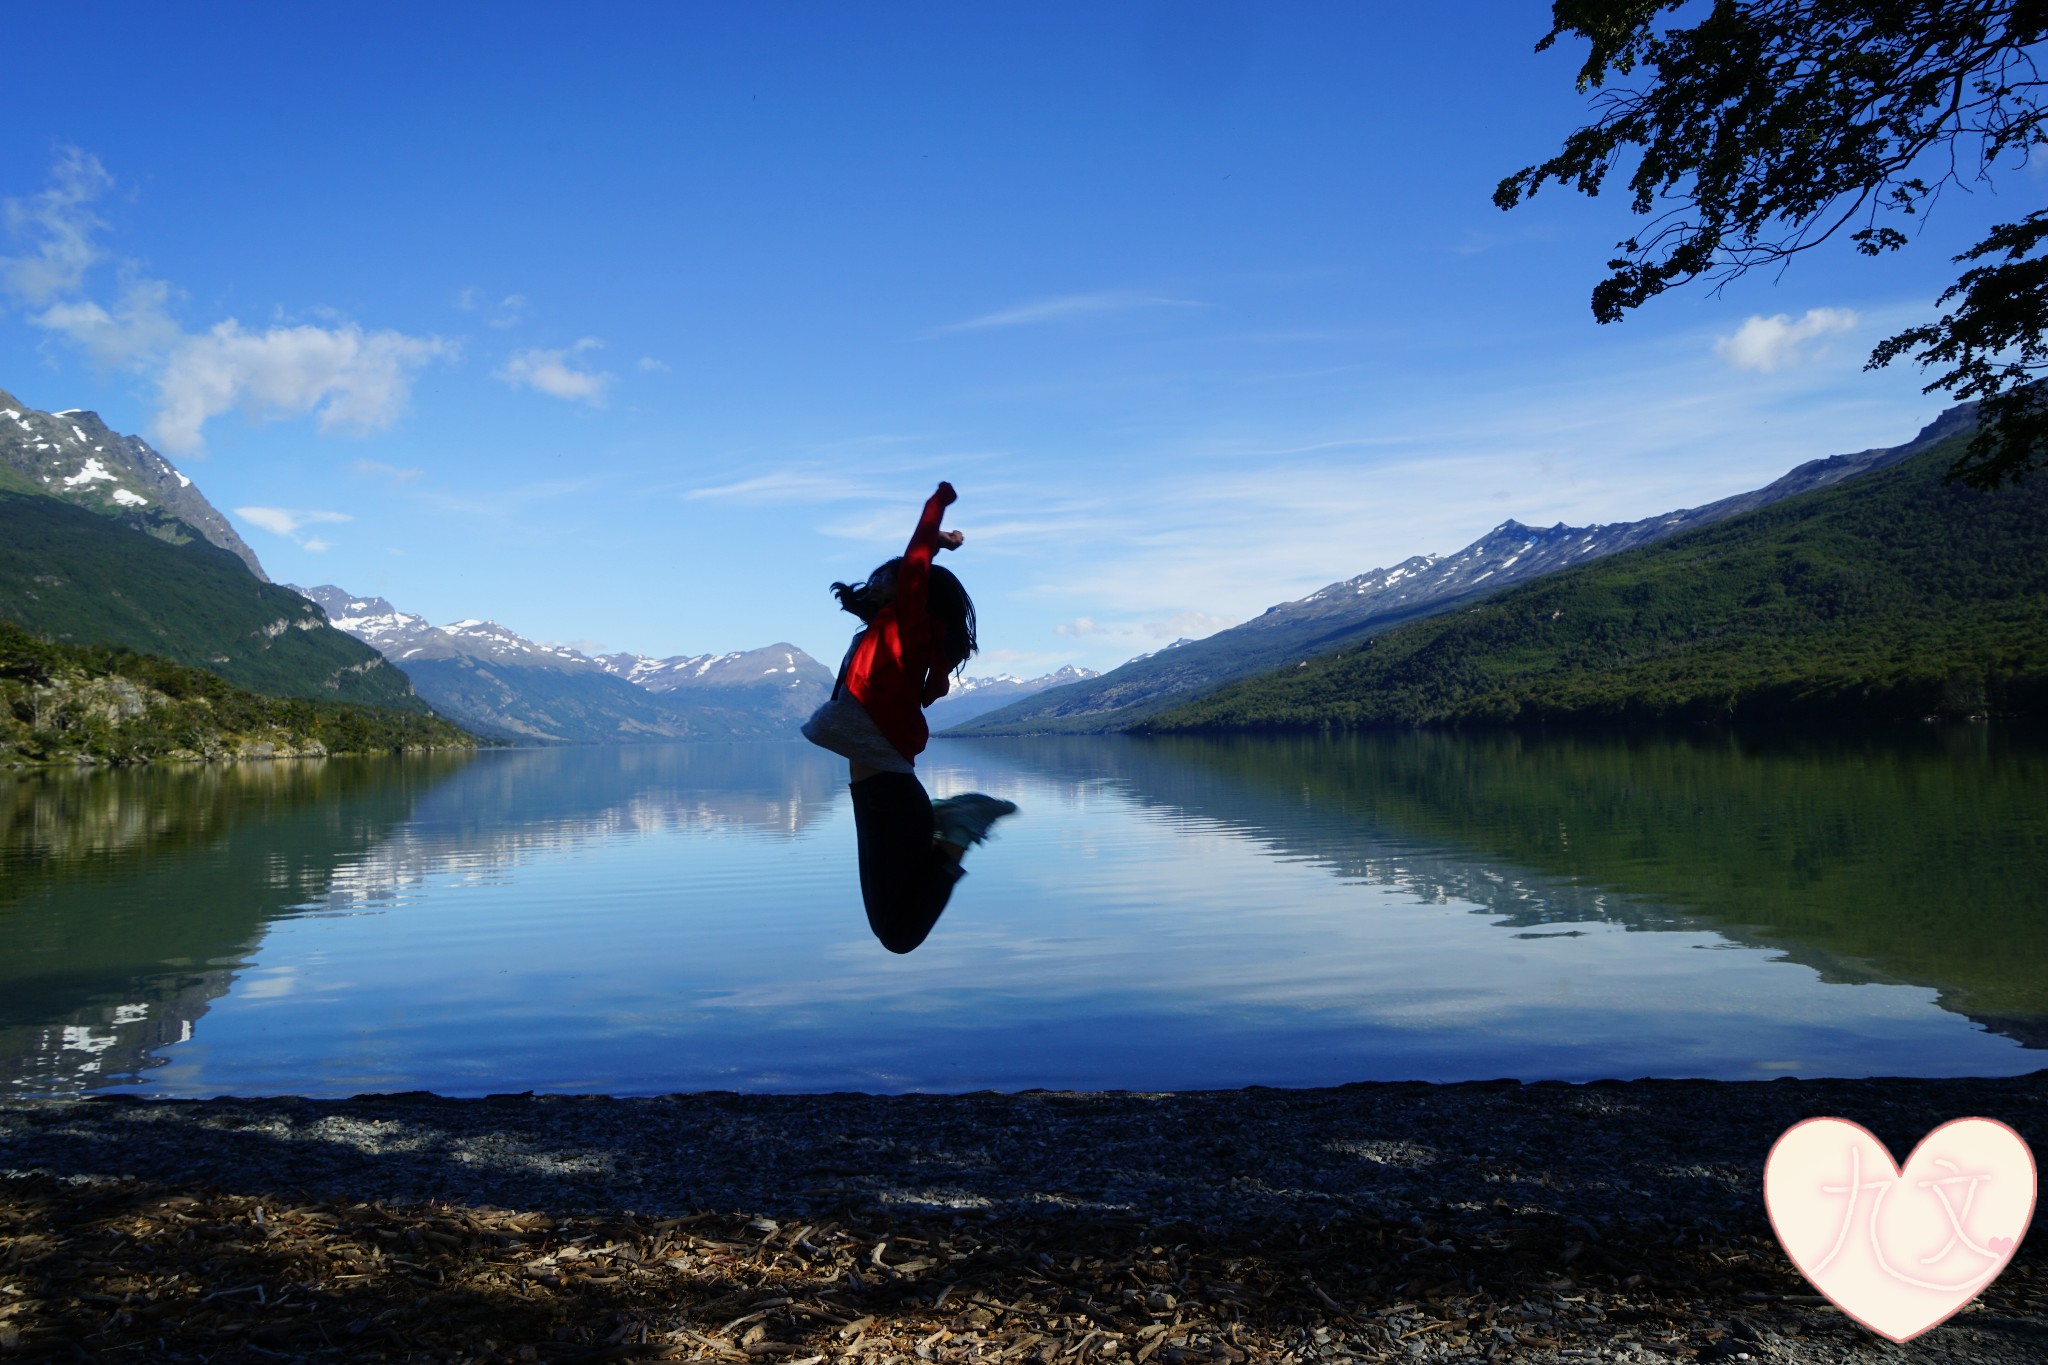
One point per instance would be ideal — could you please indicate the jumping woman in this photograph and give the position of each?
(917, 628)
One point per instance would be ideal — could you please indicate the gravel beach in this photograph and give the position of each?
(1616, 1221)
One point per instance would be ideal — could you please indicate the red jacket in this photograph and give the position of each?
(898, 666)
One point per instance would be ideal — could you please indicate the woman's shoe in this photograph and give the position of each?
(964, 820)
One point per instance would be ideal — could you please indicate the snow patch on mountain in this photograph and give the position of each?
(73, 455)
(968, 698)
(404, 637)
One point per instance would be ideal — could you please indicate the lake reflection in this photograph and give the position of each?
(1164, 914)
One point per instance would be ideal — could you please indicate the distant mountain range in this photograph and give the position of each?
(971, 697)
(74, 493)
(500, 683)
(1425, 585)
(1895, 596)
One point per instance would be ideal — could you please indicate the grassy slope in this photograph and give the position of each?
(195, 711)
(1889, 597)
(78, 577)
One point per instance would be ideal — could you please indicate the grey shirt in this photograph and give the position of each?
(844, 726)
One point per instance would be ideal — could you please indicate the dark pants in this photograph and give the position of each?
(904, 881)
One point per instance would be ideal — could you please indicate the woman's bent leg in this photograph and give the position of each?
(904, 881)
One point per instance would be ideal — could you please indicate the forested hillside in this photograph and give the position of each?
(1890, 597)
(75, 703)
(82, 578)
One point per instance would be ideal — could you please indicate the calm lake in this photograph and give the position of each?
(1163, 914)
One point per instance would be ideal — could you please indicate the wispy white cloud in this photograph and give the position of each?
(793, 485)
(884, 525)
(552, 372)
(508, 311)
(504, 505)
(1478, 240)
(1066, 308)
(286, 521)
(1777, 342)
(290, 522)
(647, 364)
(58, 225)
(1180, 625)
(139, 327)
(392, 474)
(352, 379)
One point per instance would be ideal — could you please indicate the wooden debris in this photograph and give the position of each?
(1485, 1222)
(123, 1269)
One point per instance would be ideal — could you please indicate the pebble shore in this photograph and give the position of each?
(1616, 1221)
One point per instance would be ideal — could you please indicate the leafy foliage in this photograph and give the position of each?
(72, 703)
(1771, 126)
(1994, 344)
(1893, 596)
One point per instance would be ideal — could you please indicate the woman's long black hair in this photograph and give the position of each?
(946, 601)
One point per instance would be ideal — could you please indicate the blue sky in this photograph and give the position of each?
(634, 326)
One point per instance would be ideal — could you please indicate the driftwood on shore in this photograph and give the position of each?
(1388, 1222)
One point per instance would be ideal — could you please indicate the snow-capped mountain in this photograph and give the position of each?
(74, 456)
(498, 682)
(1380, 599)
(970, 697)
(783, 664)
(401, 635)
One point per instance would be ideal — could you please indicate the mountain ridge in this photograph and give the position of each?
(73, 456)
(498, 682)
(970, 696)
(1417, 587)
(1895, 597)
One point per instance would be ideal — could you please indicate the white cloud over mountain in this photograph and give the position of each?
(289, 522)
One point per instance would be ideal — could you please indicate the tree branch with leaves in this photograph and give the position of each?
(1771, 127)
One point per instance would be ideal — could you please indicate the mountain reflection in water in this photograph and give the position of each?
(132, 898)
(1165, 913)
(1915, 857)
(129, 896)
